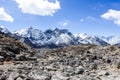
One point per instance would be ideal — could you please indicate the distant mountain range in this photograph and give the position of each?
(53, 38)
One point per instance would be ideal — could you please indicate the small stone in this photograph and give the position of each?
(79, 70)
(108, 60)
(94, 66)
(107, 74)
(19, 78)
(118, 65)
(3, 78)
(69, 71)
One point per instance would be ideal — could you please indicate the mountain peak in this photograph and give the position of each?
(3, 29)
(23, 31)
(81, 35)
(30, 27)
(53, 29)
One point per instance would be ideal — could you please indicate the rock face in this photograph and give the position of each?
(84, 62)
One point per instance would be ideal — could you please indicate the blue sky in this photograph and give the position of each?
(95, 17)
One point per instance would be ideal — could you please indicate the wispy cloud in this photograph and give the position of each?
(113, 15)
(91, 18)
(64, 23)
(39, 7)
(88, 19)
(4, 16)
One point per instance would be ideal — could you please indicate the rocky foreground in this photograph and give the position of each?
(84, 62)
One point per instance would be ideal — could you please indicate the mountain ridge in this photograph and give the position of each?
(59, 37)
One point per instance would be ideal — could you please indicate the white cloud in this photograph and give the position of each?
(113, 15)
(64, 23)
(5, 16)
(39, 7)
(91, 18)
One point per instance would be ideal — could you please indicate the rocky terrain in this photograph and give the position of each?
(84, 62)
(18, 61)
(12, 49)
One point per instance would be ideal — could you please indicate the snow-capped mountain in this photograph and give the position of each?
(111, 39)
(51, 37)
(58, 37)
(88, 39)
(36, 36)
(30, 33)
(3, 29)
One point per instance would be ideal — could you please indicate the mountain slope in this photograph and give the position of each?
(12, 49)
(111, 39)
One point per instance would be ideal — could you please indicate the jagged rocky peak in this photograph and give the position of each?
(81, 35)
(24, 30)
(29, 32)
(57, 31)
(89, 39)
